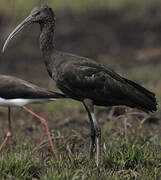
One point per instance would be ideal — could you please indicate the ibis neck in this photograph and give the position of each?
(47, 38)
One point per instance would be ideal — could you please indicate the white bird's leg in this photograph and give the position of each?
(9, 130)
(43, 121)
(97, 131)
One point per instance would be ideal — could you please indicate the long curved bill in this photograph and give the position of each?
(28, 20)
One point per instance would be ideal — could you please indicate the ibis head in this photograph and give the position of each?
(39, 14)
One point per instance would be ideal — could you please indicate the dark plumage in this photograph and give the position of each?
(83, 79)
(12, 87)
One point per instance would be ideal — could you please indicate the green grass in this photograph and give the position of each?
(131, 148)
(20, 166)
(125, 162)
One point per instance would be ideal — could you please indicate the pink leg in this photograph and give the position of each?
(110, 115)
(43, 121)
(9, 130)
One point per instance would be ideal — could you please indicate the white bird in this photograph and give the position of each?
(17, 92)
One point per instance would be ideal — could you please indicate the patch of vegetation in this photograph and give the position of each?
(20, 166)
(131, 149)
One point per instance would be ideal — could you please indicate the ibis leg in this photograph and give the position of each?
(93, 133)
(90, 109)
(43, 121)
(98, 139)
(9, 130)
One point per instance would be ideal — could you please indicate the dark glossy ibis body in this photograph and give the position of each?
(83, 79)
(17, 92)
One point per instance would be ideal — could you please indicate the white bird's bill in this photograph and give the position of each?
(22, 102)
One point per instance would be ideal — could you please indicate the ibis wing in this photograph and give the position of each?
(105, 87)
(90, 81)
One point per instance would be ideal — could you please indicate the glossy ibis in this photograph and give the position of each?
(83, 79)
(17, 92)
